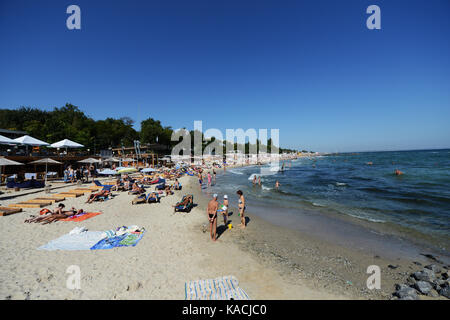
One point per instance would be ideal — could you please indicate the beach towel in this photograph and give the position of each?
(125, 240)
(82, 241)
(82, 216)
(222, 288)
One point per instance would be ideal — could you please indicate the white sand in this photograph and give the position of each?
(173, 250)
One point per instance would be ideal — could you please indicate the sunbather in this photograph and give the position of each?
(56, 214)
(168, 190)
(94, 196)
(137, 189)
(185, 202)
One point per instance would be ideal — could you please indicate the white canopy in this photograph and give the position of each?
(89, 160)
(7, 162)
(108, 172)
(45, 161)
(5, 140)
(66, 143)
(30, 141)
(148, 170)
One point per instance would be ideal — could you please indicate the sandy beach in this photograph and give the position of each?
(270, 262)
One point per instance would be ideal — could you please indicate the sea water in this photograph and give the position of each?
(362, 186)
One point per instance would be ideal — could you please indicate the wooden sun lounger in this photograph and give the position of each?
(86, 190)
(94, 188)
(28, 205)
(70, 195)
(7, 211)
(45, 202)
(80, 192)
(54, 199)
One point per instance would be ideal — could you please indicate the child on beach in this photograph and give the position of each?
(209, 179)
(224, 209)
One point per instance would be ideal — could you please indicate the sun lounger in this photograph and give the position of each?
(81, 192)
(104, 186)
(146, 198)
(7, 211)
(69, 195)
(86, 190)
(185, 208)
(28, 205)
(46, 202)
(55, 198)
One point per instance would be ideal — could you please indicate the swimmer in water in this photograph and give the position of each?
(398, 172)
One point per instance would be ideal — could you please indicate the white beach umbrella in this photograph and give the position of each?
(6, 140)
(89, 160)
(66, 143)
(30, 141)
(6, 162)
(46, 161)
(108, 172)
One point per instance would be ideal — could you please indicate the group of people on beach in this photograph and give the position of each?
(82, 173)
(210, 178)
(213, 209)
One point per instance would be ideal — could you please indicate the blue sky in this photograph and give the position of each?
(309, 68)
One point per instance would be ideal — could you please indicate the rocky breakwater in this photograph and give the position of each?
(432, 280)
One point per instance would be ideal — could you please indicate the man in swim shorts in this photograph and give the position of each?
(211, 211)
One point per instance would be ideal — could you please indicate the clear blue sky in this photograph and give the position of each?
(310, 68)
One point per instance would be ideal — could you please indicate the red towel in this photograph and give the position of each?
(82, 217)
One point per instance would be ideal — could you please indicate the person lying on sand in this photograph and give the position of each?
(93, 196)
(57, 214)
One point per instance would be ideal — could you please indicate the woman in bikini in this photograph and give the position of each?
(241, 207)
(57, 214)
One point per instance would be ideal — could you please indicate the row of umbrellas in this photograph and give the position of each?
(30, 141)
(46, 161)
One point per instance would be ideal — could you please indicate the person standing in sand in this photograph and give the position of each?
(224, 210)
(211, 212)
(241, 207)
(200, 180)
(214, 176)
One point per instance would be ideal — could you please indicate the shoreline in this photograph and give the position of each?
(327, 265)
(270, 262)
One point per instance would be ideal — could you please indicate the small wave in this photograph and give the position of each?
(318, 204)
(367, 218)
(235, 172)
(341, 184)
(265, 188)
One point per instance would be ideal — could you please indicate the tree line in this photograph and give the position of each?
(69, 122)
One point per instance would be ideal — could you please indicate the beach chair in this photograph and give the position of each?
(104, 186)
(185, 208)
(7, 211)
(146, 198)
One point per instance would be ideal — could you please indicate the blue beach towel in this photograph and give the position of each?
(125, 240)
